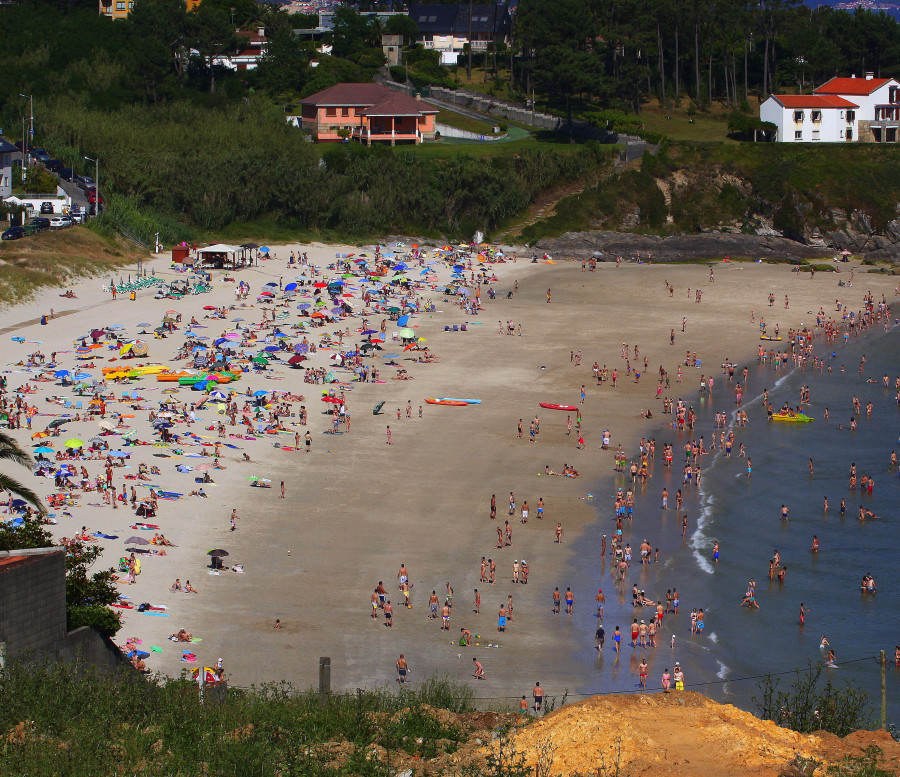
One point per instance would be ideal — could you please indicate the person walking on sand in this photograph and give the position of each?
(549, 296)
(282, 489)
(559, 533)
(308, 438)
(388, 441)
(402, 669)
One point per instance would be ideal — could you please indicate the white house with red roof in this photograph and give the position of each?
(841, 110)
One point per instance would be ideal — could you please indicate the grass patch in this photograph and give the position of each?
(538, 140)
(90, 724)
(53, 258)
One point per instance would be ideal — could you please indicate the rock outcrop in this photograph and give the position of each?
(679, 248)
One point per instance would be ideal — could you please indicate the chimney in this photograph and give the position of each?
(870, 76)
(418, 96)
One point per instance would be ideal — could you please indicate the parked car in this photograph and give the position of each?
(60, 222)
(39, 154)
(53, 165)
(65, 173)
(84, 182)
(46, 207)
(40, 224)
(13, 233)
(77, 217)
(93, 197)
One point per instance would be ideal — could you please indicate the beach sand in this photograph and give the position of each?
(356, 508)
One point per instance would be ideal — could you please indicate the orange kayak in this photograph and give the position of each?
(451, 402)
(164, 377)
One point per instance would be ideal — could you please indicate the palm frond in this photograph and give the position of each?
(10, 451)
(22, 491)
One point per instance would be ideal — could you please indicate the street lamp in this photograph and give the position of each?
(27, 144)
(96, 183)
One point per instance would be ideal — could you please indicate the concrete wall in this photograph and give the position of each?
(453, 132)
(33, 612)
(89, 645)
(33, 601)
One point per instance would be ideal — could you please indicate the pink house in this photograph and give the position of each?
(367, 113)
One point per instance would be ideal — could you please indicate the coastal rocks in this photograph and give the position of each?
(678, 248)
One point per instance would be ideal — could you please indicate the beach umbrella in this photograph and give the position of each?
(203, 467)
(43, 449)
(403, 320)
(74, 443)
(260, 393)
(260, 360)
(319, 285)
(297, 359)
(138, 653)
(272, 348)
(117, 454)
(98, 333)
(218, 552)
(407, 333)
(291, 287)
(115, 327)
(137, 541)
(271, 283)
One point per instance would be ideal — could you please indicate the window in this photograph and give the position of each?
(120, 6)
(842, 134)
(851, 116)
(358, 111)
(892, 94)
(816, 116)
(798, 117)
(331, 111)
(876, 134)
(815, 135)
(842, 114)
(849, 133)
(345, 111)
(890, 135)
(798, 134)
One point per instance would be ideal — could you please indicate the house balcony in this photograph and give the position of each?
(369, 136)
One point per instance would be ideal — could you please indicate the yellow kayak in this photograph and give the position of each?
(795, 418)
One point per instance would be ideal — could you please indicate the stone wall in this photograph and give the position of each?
(32, 600)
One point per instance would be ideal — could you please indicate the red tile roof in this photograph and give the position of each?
(813, 101)
(378, 100)
(399, 104)
(348, 94)
(859, 86)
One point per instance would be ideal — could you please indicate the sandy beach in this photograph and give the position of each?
(356, 508)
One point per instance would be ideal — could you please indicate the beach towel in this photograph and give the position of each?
(160, 614)
(106, 536)
(154, 649)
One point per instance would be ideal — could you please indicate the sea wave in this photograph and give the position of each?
(699, 540)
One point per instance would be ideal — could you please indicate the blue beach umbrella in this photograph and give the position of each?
(291, 287)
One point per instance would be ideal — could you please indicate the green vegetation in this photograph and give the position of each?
(51, 258)
(795, 188)
(86, 594)
(82, 723)
(810, 705)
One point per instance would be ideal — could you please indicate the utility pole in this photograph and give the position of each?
(31, 111)
(469, 66)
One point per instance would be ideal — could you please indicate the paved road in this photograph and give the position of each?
(79, 196)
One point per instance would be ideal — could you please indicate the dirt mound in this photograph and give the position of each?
(675, 735)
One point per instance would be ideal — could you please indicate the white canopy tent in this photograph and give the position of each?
(223, 255)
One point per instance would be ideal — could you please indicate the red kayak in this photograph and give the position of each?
(552, 406)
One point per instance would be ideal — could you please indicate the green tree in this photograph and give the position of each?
(214, 35)
(87, 594)
(11, 453)
(405, 26)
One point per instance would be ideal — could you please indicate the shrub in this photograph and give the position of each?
(809, 705)
(398, 73)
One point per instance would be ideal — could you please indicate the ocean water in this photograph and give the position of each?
(743, 515)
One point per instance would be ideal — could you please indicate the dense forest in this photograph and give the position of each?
(186, 145)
